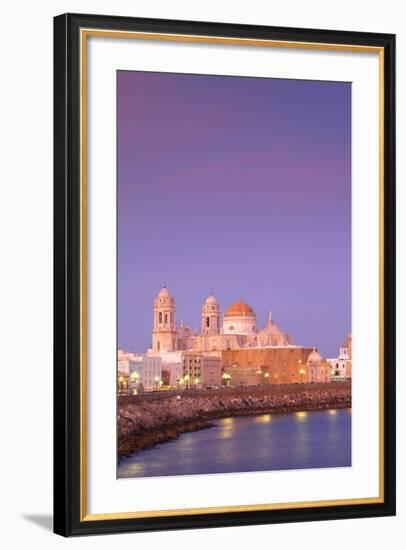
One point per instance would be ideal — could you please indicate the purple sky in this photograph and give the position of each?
(240, 185)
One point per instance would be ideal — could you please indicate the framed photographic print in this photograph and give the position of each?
(224, 274)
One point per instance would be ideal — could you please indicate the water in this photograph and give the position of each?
(316, 439)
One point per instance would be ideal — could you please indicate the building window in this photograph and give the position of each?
(160, 316)
(158, 345)
(166, 317)
(207, 321)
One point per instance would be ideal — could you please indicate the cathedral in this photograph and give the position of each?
(235, 330)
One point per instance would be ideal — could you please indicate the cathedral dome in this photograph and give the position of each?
(314, 357)
(239, 308)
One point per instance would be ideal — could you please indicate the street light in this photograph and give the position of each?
(187, 381)
(157, 381)
(134, 377)
(226, 378)
(266, 376)
(121, 384)
(302, 372)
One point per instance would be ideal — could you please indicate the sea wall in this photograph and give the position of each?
(145, 420)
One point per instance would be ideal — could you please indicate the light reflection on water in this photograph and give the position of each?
(227, 428)
(315, 439)
(301, 415)
(263, 418)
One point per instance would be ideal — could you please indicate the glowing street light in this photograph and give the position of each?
(226, 378)
(134, 379)
(266, 376)
(122, 385)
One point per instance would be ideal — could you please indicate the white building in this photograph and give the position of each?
(145, 373)
(341, 366)
(123, 361)
(318, 369)
(171, 364)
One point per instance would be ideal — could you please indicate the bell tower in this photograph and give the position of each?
(164, 334)
(211, 316)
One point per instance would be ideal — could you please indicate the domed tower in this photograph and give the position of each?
(240, 318)
(314, 359)
(211, 316)
(164, 334)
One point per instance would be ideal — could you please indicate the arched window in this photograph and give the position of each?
(166, 317)
(160, 316)
(207, 321)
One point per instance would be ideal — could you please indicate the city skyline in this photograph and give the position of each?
(240, 186)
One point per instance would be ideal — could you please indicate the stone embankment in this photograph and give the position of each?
(145, 420)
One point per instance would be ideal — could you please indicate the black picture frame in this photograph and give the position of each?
(68, 519)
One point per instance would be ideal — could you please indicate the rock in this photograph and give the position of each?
(144, 422)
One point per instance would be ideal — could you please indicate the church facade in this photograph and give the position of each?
(235, 330)
(246, 354)
(230, 349)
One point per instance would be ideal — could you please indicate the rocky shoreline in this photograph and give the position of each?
(145, 422)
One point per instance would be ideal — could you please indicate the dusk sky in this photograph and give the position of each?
(237, 185)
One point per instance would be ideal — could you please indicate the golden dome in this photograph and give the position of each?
(239, 308)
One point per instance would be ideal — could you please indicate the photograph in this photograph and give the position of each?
(234, 337)
(200, 262)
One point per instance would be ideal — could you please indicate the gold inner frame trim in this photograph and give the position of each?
(84, 34)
